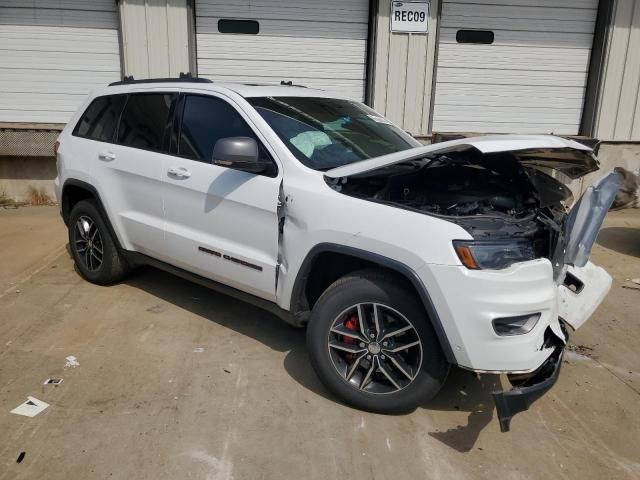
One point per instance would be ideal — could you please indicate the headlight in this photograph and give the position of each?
(493, 254)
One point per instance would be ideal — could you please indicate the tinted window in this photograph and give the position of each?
(204, 122)
(144, 120)
(250, 27)
(101, 118)
(474, 36)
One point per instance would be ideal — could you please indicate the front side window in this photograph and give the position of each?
(325, 133)
(100, 120)
(144, 120)
(205, 121)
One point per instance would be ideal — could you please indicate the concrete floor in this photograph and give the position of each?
(147, 403)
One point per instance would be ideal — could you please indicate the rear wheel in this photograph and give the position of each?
(95, 254)
(372, 346)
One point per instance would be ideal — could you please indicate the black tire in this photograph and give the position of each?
(373, 287)
(112, 266)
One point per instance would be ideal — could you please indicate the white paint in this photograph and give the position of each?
(30, 408)
(153, 213)
(484, 144)
(71, 362)
(198, 350)
(576, 308)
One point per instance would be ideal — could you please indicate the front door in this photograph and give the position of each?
(220, 223)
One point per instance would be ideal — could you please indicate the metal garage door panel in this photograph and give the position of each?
(318, 44)
(527, 38)
(340, 11)
(532, 79)
(53, 54)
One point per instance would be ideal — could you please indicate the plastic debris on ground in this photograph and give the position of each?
(30, 408)
(53, 381)
(71, 362)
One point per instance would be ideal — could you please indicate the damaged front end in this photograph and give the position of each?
(527, 389)
(507, 193)
(514, 212)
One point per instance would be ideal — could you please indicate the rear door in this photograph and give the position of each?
(129, 171)
(221, 223)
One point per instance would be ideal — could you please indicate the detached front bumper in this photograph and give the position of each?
(527, 389)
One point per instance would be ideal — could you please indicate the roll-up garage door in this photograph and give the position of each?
(52, 53)
(511, 67)
(320, 44)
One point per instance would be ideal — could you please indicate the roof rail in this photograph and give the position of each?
(184, 77)
(289, 83)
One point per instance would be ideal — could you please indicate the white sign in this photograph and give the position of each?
(410, 17)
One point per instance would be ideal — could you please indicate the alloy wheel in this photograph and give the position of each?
(375, 348)
(88, 243)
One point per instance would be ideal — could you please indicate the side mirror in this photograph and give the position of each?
(240, 153)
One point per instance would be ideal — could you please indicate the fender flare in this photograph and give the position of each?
(391, 264)
(96, 196)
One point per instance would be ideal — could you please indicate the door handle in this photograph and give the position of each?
(107, 156)
(179, 172)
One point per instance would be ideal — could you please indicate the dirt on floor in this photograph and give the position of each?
(170, 380)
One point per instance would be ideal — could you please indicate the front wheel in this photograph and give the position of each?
(370, 343)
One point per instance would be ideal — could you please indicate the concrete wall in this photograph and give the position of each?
(618, 117)
(19, 174)
(403, 72)
(155, 37)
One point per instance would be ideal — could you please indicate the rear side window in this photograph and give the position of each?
(204, 122)
(100, 120)
(145, 121)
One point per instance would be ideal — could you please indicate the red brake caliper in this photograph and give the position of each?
(351, 323)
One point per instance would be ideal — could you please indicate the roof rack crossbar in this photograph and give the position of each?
(184, 77)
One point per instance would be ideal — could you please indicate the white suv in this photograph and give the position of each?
(400, 259)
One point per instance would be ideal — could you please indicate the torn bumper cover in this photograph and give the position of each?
(527, 389)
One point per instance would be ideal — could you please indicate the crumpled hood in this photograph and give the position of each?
(569, 157)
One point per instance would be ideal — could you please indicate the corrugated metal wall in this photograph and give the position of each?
(155, 37)
(618, 117)
(403, 72)
(52, 53)
(320, 44)
(530, 77)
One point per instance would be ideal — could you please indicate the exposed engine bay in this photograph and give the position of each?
(492, 196)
